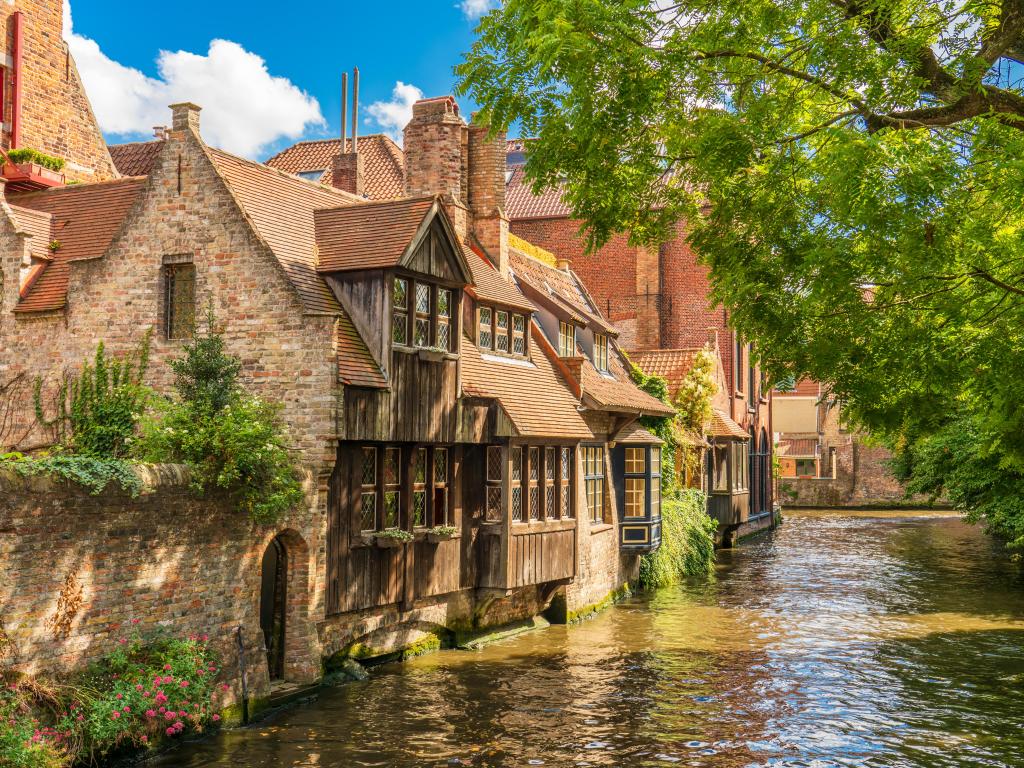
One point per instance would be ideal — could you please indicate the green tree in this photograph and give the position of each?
(849, 171)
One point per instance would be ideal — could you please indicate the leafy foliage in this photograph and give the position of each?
(687, 543)
(148, 689)
(696, 393)
(27, 155)
(233, 442)
(99, 409)
(660, 426)
(91, 472)
(850, 172)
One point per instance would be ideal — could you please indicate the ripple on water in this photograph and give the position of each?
(841, 640)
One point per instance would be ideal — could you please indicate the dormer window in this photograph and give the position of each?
(566, 339)
(501, 331)
(422, 314)
(601, 352)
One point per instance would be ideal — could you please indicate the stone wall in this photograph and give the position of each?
(56, 117)
(862, 479)
(166, 559)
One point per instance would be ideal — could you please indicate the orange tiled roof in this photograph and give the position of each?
(537, 401)
(562, 288)
(799, 447)
(522, 203)
(671, 364)
(84, 218)
(368, 236)
(488, 284)
(723, 426)
(356, 366)
(280, 207)
(803, 388)
(634, 433)
(383, 163)
(135, 158)
(615, 392)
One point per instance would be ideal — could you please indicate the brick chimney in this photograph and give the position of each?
(347, 173)
(435, 156)
(185, 117)
(486, 193)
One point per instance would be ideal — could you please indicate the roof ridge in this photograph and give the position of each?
(341, 194)
(68, 187)
(390, 201)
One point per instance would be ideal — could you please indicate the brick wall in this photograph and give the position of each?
(164, 558)
(56, 117)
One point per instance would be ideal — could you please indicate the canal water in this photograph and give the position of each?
(843, 639)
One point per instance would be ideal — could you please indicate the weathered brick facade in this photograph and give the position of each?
(54, 116)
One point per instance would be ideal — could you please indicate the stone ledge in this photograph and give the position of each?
(154, 477)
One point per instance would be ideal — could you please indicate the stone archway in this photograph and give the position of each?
(288, 634)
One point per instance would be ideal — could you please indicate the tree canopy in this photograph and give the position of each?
(852, 174)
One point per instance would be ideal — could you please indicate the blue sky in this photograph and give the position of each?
(255, 109)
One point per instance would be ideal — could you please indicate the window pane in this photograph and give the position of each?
(444, 340)
(444, 302)
(549, 463)
(180, 300)
(655, 500)
(400, 328)
(400, 295)
(392, 473)
(517, 504)
(494, 465)
(493, 503)
(501, 341)
(422, 298)
(534, 463)
(566, 508)
(517, 463)
(440, 466)
(636, 461)
(535, 503)
(419, 508)
(565, 464)
(635, 492)
(391, 503)
(421, 333)
(655, 461)
(518, 323)
(421, 466)
(368, 511)
(485, 327)
(549, 501)
(369, 466)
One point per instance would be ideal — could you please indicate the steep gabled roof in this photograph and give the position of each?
(383, 163)
(356, 366)
(671, 364)
(280, 207)
(723, 426)
(536, 399)
(522, 203)
(634, 433)
(616, 392)
(135, 158)
(83, 218)
(489, 286)
(561, 290)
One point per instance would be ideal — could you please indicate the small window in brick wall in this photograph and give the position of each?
(179, 279)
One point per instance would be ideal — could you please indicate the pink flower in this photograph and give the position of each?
(123, 640)
(205, 638)
(145, 694)
(150, 713)
(169, 679)
(169, 715)
(167, 667)
(136, 621)
(119, 696)
(126, 708)
(161, 697)
(144, 739)
(215, 718)
(163, 709)
(80, 718)
(139, 687)
(115, 714)
(170, 731)
(183, 683)
(225, 687)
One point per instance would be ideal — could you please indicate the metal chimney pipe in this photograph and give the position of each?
(344, 108)
(355, 109)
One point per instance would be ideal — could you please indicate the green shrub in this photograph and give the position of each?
(233, 442)
(98, 410)
(687, 543)
(146, 690)
(93, 473)
(18, 156)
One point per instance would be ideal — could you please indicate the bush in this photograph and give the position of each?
(95, 474)
(687, 543)
(232, 442)
(146, 690)
(19, 156)
(98, 411)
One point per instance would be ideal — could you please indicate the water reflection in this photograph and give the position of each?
(839, 641)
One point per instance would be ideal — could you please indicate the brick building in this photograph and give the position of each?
(430, 383)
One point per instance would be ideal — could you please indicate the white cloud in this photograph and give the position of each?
(244, 106)
(392, 116)
(474, 9)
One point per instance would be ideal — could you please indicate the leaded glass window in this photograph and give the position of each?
(486, 331)
(421, 329)
(501, 331)
(179, 300)
(444, 315)
(593, 474)
(400, 311)
(518, 334)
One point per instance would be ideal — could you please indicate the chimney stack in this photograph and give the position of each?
(435, 156)
(486, 175)
(347, 172)
(563, 264)
(185, 117)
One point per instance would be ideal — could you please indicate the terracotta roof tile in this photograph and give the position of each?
(356, 366)
(803, 388)
(39, 224)
(383, 163)
(84, 218)
(135, 158)
(535, 397)
(281, 208)
(368, 236)
(634, 433)
(799, 447)
(522, 203)
(615, 392)
(723, 426)
(671, 364)
(562, 288)
(488, 284)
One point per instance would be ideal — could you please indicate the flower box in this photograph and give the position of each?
(432, 355)
(33, 171)
(443, 534)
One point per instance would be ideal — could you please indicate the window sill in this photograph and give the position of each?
(596, 528)
(417, 350)
(543, 526)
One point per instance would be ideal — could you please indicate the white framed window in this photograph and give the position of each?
(601, 351)
(566, 339)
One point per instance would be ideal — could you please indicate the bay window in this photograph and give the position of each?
(422, 315)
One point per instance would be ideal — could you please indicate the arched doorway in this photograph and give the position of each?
(273, 605)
